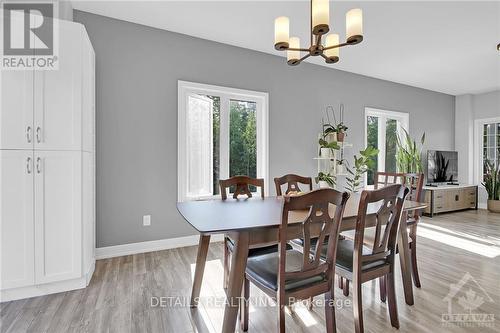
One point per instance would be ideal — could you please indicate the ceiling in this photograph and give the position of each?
(447, 46)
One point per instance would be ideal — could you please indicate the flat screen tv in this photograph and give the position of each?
(442, 166)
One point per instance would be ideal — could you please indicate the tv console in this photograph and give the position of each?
(449, 198)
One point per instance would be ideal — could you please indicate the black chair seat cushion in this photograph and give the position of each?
(264, 269)
(256, 251)
(345, 253)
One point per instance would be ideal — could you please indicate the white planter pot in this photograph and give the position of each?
(323, 184)
(325, 152)
(340, 168)
(332, 137)
(351, 208)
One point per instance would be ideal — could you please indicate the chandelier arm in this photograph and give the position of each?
(296, 49)
(324, 56)
(304, 57)
(336, 46)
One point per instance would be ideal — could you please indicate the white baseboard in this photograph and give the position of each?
(150, 246)
(482, 205)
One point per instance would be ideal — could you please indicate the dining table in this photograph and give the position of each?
(254, 222)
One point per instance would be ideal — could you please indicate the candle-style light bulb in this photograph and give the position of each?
(332, 54)
(320, 12)
(281, 31)
(354, 26)
(292, 56)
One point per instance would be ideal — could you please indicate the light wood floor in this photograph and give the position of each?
(118, 298)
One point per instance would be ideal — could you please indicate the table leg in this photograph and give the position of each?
(236, 277)
(200, 267)
(404, 258)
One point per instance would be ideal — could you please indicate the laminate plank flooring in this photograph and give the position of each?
(119, 297)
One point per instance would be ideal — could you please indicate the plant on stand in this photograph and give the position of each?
(327, 148)
(325, 180)
(341, 129)
(491, 182)
(409, 155)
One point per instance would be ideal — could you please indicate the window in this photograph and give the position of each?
(382, 130)
(222, 132)
(489, 144)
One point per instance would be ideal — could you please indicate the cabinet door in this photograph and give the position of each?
(16, 218)
(58, 211)
(16, 112)
(57, 95)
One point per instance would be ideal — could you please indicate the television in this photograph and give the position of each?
(442, 166)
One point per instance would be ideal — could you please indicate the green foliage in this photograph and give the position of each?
(242, 139)
(408, 156)
(341, 127)
(492, 180)
(325, 144)
(361, 165)
(372, 140)
(326, 177)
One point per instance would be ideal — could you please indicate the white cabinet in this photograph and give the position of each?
(58, 215)
(47, 173)
(58, 95)
(16, 116)
(16, 218)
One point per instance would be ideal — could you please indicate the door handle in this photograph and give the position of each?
(28, 134)
(38, 134)
(28, 164)
(38, 160)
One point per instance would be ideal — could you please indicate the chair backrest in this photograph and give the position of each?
(318, 224)
(387, 219)
(413, 181)
(241, 186)
(292, 181)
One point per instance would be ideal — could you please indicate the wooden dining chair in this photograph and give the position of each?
(414, 182)
(240, 185)
(359, 263)
(290, 275)
(292, 182)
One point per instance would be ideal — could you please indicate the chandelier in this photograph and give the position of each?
(329, 48)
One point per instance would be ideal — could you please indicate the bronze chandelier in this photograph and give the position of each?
(319, 20)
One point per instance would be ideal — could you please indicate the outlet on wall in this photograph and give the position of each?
(146, 220)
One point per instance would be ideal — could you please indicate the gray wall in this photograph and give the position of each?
(137, 72)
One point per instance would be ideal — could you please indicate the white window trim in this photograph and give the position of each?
(402, 117)
(184, 88)
(478, 145)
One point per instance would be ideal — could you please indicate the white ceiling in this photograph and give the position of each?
(448, 46)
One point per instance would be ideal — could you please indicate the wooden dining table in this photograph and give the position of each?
(254, 222)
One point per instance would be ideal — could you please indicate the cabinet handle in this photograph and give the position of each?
(28, 164)
(38, 160)
(28, 134)
(38, 134)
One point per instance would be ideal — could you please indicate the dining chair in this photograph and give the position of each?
(240, 185)
(359, 263)
(414, 182)
(290, 275)
(292, 182)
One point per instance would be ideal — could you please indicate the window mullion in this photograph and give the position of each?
(224, 136)
(381, 143)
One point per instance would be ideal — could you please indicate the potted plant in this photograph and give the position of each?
(354, 181)
(329, 133)
(492, 185)
(341, 129)
(325, 180)
(408, 155)
(326, 148)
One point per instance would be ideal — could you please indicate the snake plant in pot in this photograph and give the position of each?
(409, 154)
(491, 182)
